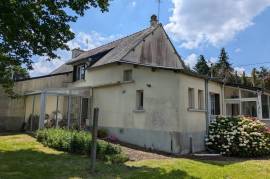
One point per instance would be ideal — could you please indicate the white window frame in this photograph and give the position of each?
(80, 72)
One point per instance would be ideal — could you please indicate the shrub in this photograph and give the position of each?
(79, 142)
(102, 133)
(239, 136)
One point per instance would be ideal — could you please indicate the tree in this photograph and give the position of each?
(201, 66)
(254, 80)
(262, 75)
(244, 79)
(223, 68)
(29, 28)
(237, 79)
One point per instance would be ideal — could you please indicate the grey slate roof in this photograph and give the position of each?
(118, 50)
(126, 45)
(118, 46)
(62, 69)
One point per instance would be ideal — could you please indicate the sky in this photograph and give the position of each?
(195, 27)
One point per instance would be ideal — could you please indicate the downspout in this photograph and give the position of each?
(91, 107)
(206, 110)
(206, 105)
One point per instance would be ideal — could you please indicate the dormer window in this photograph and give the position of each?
(79, 72)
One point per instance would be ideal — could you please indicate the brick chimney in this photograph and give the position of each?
(154, 20)
(76, 52)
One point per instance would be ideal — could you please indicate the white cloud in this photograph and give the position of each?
(133, 3)
(214, 22)
(239, 70)
(44, 67)
(191, 60)
(84, 41)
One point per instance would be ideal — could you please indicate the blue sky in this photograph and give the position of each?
(195, 27)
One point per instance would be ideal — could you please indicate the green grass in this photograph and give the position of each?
(22, 157)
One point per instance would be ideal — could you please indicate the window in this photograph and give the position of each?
(265, 106)
(139, 100)
(191, 102)
(200, 99)
(232, 109)
(127, 75)
(80, 72)
(248, 94)
(249, 108)
(215, 105)
(231, 93)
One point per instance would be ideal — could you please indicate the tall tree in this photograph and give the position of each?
(29, 28)
(223, 68)
(201, 66)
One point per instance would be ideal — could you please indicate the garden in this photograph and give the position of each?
(61, 153)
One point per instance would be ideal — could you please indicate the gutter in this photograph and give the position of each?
(45, 76)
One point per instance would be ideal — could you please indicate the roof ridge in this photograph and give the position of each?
(145, 35)
(116, 40)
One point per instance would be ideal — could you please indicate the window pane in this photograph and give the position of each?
(139, 99)
(200, 99)
(231, 93)
(248, 94)
(232, 109)
(249, 108)
(127, 75)
(265, 106)
(191, 103)
(215, 105)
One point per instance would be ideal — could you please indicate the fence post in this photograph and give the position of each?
(94, 140)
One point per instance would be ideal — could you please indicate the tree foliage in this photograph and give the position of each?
(223, 68)
(29, 28)
(201, 66)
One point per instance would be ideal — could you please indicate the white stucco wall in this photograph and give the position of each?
(166, 123)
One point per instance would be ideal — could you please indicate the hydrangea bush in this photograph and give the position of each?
(239, 136)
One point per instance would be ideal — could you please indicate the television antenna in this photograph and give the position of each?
(158, 1)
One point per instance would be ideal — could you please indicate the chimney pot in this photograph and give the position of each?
(154, 20)
(76, 52)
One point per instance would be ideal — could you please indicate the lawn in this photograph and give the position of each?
(22, 157)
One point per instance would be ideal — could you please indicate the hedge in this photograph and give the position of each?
(79, 142)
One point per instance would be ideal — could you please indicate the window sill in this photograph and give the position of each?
(125, 82)
(139, 110)
(77, 81)
(195, 110)
(265, 119)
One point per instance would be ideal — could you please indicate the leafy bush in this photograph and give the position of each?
(239, 136)
(102, 133)
(79, 142)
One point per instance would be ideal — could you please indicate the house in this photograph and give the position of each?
(144, 93)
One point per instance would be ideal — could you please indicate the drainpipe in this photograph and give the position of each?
(206, 104)
(206, 110)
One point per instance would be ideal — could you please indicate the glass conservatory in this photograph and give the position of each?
(239, 101)
(64, 107)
